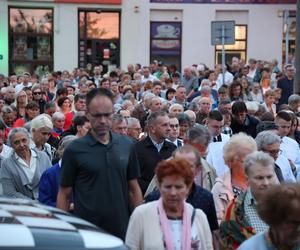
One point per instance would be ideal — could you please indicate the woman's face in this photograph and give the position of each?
(170, 96)
(173, 192)
(29, 95)
(37, 94)
(245, 84)
(20, 143)
(59, 124)
(241, 153)
(270, 99)
(183, 127)
(66, 105)
(236, 91)
(22, 97)
(31, 113)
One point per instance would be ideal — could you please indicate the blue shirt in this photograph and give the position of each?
(49, 184)
(259, 242)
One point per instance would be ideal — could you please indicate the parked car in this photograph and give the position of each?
(29, 225)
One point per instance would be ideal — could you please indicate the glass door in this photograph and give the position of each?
(99, 39)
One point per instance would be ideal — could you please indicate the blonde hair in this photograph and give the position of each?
(236, 143)
(41, 121)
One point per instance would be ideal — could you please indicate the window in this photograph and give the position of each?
(239, 49)
(289, 31)
(165, 42)
(99, 38)
(30, 40)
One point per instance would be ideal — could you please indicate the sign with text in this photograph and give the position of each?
(228, 1)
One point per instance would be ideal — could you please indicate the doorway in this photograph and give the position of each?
(99, 39)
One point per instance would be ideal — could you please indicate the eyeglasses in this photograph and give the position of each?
(136, 129)
(273, 152)
(37, 93)
(100, 115)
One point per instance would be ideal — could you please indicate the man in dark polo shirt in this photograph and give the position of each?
(101, 169)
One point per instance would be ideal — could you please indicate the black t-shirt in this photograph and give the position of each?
(99, 175)
(287, 89)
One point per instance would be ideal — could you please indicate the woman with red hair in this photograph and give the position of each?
(170, 223)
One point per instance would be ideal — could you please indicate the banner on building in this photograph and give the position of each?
(90, 1)
(228, 1)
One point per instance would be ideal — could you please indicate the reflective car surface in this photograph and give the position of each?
(31, 225)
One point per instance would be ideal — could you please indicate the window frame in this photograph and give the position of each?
(236, 40)
(11, 34)
(85, 38)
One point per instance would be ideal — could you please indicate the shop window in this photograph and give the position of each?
(289, 26)
(239, 49)
(165, 42)
(30, 40)
(99, 39)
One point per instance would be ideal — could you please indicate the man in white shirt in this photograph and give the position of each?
(252, 69)
(290, 148)
(26, 82)
(214, 157)
(269, 142)
(228, 77)
(147, 76)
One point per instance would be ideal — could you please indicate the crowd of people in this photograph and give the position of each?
(161, 159)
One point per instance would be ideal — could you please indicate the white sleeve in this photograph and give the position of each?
(135, 229)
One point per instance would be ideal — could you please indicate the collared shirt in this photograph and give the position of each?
(29, 170)
(251, 214)
(178, 143)
(227, 131)
(157, 145)
(46, 148)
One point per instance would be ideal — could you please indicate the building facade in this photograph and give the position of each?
(46, 35)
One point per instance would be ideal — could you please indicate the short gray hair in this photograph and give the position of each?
(293, 99)
(258, 157)
(206, 81)
(199, 134)
(266, 138)
(131, 121)
(175, 105)
(14, 131)
(7, 109)
(58, 115)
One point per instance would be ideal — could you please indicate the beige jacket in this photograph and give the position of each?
(223, 194)
(144, 231)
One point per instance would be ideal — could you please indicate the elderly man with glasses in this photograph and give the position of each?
(269, 142)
